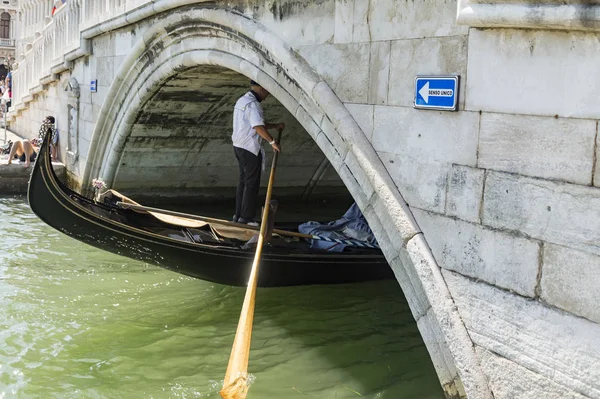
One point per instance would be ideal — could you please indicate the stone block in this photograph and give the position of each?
(399, 219)
(344, 21)
(363, 115)
(597, 160)
(447, 317)
(538, 146)
(103, 46)
(429, 136)
(124, 42)
(117, 63)
(379, 72)
(465, 193)
(411, 286)
(559, 213)
(361, 31)
(345, 67)
(300, 23)
(307, 122)
(339, 143)
(430, 56)
(441, 357)
(423, 185)
(351, 21)
(389, 245)
(500, 259)
(544, 340)
(86, 112)
(509, 380)
(534, 72)
(357, 171)
(571, 281)
(327, 146)
(407, 19)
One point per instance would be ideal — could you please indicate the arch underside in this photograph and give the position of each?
(179, 144)
(219, 51)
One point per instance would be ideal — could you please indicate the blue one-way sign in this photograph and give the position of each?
(436, 92)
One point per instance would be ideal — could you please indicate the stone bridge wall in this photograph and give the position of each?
(506, 190)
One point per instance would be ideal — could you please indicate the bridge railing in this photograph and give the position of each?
(55, 38)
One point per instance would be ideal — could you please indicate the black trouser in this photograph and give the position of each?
(249, 183)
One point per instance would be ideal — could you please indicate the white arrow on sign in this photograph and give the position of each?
(425, 92)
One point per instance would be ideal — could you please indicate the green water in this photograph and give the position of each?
(77, 322)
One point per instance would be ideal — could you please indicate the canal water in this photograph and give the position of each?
(76, 322)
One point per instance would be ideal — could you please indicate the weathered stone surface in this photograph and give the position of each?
(407, 19)
(556, 212)
(379, 73)
(411, 285)
(299, 23)
(439, 353)
(428, 136)
(500, 259)
(430, 56)
(345, 67)
(453, 330)
(597, 159)
(465, 193)
(571, 281)
(352, 21)
(359, 174)
(428, 325)
(524, 63)
(344, 21)
(546, 341)
(423, 185)
(363, 115)
(396, 218)
(509, 380)
(538, 146)
(14, 178)
(124, 42)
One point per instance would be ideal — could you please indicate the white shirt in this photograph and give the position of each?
(247, 114)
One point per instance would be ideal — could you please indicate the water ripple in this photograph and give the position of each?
(81, 323)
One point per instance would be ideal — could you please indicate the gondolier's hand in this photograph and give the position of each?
(276, 146)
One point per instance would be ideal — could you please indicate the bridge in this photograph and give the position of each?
(489, 215)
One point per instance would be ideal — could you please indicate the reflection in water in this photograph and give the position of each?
(77, 322)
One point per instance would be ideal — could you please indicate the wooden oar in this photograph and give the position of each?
(356, 243)
(235, 384)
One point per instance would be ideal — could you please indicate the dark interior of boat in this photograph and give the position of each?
(203, 235)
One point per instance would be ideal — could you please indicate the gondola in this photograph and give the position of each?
(199, 252)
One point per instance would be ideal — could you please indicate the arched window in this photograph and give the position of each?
(5, 25)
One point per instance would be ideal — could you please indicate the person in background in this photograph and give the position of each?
(249, 130)
(25, 151)
(8, 88)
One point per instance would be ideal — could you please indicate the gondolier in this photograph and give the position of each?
(249, 129)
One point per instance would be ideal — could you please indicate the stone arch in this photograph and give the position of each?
(184, 38)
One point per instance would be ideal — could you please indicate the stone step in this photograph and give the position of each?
(14, 178)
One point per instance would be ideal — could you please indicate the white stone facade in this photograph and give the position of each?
(497, 246)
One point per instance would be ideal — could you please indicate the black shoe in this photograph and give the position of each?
(235, 218)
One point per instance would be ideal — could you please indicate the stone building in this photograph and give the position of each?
(9, 13)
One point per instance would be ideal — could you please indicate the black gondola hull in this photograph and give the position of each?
(82, 219)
